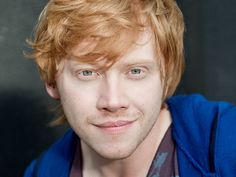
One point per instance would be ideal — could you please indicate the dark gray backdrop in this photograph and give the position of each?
(26, 109)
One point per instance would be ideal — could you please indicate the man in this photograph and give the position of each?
(114, 65)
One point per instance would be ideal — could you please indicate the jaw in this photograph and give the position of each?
(114, 158)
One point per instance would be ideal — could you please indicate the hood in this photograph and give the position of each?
(196, 129)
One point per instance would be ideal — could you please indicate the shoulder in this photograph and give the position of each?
(192, 115)
(198, 112)
(56, 160)
(225, 143)
(199, 124)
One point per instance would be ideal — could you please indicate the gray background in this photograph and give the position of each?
(26, 109)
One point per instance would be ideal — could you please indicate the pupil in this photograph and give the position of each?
(87, 73)
(136, 71)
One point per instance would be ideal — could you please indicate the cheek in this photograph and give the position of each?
(147, 98)
(77, 107)
(148, 94)
(77, 101)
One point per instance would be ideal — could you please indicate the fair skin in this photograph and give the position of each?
(116, 113)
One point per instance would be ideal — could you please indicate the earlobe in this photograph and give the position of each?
(52, 91)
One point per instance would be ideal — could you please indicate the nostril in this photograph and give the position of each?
(111, 96)
(112, 105)
(113, 108)
(113, 112)
(110, 109)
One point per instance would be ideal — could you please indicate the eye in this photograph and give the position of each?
(87, 75)
(136, 73)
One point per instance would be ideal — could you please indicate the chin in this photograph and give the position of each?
(117, 154)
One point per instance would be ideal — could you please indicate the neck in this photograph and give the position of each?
(136, 164)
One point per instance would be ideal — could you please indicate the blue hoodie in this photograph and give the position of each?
(204, 132)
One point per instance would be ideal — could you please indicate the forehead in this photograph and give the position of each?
(142, 48)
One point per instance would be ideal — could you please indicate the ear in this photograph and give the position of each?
(52, 91)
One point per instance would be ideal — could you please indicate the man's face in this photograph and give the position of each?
(113, 111)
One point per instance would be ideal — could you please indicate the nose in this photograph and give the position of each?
(112, 96)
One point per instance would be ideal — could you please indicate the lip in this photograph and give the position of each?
(115, 126)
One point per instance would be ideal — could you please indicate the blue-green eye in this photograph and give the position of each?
(136, 71)
(87, 73)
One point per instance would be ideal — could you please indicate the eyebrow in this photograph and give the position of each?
(130, 63)
(134, 62)
(80, 64)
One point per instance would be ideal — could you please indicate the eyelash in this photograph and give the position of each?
(135, 73)
(136, 76)
(94, 75)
